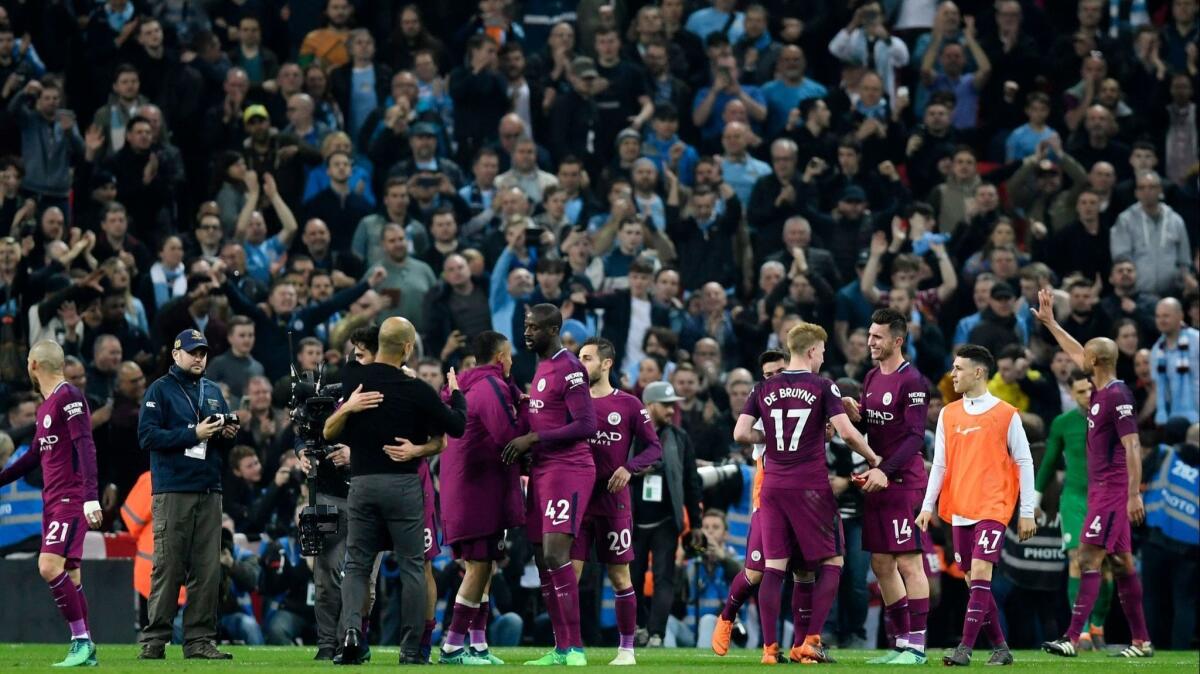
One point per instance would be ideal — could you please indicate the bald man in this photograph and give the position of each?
(388, 408)
(1114, 461)
(67, 456)
(1175, 364)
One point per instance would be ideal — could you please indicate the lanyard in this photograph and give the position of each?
(189, 398)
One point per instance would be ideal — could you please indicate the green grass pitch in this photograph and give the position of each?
(264, 660)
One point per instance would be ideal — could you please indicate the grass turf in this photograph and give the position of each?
(123, 657)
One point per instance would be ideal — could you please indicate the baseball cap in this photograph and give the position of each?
(1002, 291)
(853, 193)
(423, 129)
(190, 340)
(253, 111)
(659, 392)
(628, 132)
(584, 66)
(1047, 166)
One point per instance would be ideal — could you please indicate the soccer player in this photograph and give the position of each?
(1114, 471)
(608, 521)
(770, 362)
(481, 497)
(797, 510)
(1067, 441)
(895, 403)
(62, 445)
(562, 420)
(981, 462)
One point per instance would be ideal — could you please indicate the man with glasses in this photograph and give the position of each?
(181, 413)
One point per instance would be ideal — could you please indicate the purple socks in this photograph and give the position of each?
(427, 636)
(626, 602)
(464, 613)
(561, 640)
(768, 603)
(824, 593)
(479, 624)
(979, 606)
(566, 591)
(1089, 588)
(1129, 588)
(992, 626)
(898, 616)
(918, 617)
(802, 597)
(71, 604)
(739, 591)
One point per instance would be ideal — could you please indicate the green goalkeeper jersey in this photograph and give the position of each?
(1067, 443)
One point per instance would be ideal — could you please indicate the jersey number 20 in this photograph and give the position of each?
(777, 419)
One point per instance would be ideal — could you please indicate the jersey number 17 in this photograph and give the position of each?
(777, 419)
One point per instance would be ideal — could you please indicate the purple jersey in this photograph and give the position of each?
(619, 417)
(64, 442)
(895, 407)
(1110, 417)
(561, 413)
(794, 407)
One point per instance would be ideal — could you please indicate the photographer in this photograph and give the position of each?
(385, 493)
(182, 412)
(257, 507)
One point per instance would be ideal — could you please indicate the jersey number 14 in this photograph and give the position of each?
(777, 419)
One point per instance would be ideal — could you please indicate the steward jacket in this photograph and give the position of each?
(171, 408)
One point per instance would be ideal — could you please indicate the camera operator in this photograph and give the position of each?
(181, 414)
(384, 492)
(660, 500)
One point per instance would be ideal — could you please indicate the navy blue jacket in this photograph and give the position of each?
(167, 427)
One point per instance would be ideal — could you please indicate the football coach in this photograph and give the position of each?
(386, 496)
(176, 426)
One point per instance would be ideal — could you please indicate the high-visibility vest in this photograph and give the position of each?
(20, 508)
(1172, 501)
(138, 516)
(982, 480)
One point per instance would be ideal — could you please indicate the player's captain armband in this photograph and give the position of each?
(1124, 411)
(574, 379)
(73, 409)
(916, 398)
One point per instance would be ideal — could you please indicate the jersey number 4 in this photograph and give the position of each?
(797, 429)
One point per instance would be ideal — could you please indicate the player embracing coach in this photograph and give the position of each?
(387, 500)
(183, 416)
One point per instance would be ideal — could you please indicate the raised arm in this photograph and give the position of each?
(1045, 314)
(248, 208)
(287, 219)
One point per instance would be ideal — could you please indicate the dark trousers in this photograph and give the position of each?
(1169, 581)
(327, 576)
(659, 540)
(383, 506)
(187, 547)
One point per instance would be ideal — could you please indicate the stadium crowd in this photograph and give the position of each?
(686, 179)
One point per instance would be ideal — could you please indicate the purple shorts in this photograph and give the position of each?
(982, 540)
(612, 538)
(1106, 524)
(484, 549)
(888, 518)
(63, 529)
(432, 549)
(556, 502)
(800, 522)
(755, 561)
(933, 563)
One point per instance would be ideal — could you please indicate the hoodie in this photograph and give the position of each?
(480, 494)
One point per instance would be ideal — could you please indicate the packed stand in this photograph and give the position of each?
(687, 180)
